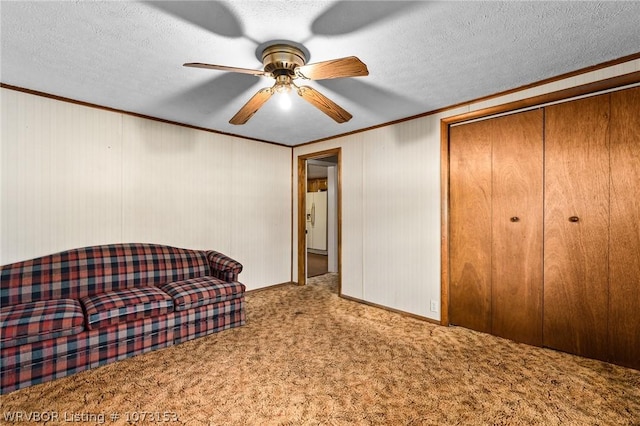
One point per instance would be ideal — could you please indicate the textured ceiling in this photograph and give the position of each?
(421, 56)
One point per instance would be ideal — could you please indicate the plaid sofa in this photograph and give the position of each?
(81, 308)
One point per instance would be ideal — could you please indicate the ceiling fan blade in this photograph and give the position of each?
(252, 106)
(334, 68)
(324, 104)
(225, 68)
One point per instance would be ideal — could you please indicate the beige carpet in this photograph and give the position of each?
(308, 357)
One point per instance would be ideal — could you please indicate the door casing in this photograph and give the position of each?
(302, 209)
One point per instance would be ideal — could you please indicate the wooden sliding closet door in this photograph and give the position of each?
(624, 241)
(517, 227)
(496, 171)
(470, 225)
(576, 235)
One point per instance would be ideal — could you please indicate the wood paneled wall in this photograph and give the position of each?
(390, 209)
(391, 203)
(74, 176)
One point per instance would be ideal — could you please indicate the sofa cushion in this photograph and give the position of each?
(36, 321)
(201, 291)
(120, 306)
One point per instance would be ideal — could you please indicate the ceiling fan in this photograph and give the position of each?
(285, 62)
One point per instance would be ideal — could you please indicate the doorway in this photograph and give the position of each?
(319, 213)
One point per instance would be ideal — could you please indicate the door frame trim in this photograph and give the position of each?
(302, 240)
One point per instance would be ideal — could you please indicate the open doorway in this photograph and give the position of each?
(319, 215)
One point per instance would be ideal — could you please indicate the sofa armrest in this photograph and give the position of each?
(223, 267)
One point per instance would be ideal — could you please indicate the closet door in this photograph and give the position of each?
(624, 241)
(517, 201)
(576, 234)
(470, 225)
(496, 170)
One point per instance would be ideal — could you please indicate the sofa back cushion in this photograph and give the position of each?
(87, 271)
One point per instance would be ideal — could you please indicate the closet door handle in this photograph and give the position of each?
(515, 219)
(574, 219)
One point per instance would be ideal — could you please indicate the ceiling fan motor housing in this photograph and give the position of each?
(282, 59)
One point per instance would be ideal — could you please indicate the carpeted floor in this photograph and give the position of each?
(308, 357)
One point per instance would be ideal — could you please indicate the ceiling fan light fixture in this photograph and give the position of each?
(283, 83)
(284, 100)
(283, 89)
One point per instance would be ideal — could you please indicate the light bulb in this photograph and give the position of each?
(284, 101)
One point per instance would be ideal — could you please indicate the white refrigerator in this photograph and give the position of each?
(317, 222)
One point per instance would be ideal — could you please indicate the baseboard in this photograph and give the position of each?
(354, 299)
(269, 287)
(397, 311)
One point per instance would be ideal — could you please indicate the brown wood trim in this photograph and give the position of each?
(444, 223)
(339, 224)
(386, 308)
(269, 287)
(564, 76)
(485, 98)
(560, 95)
(134, 114)
(293, 229)
(302, 241)
(445, 123)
